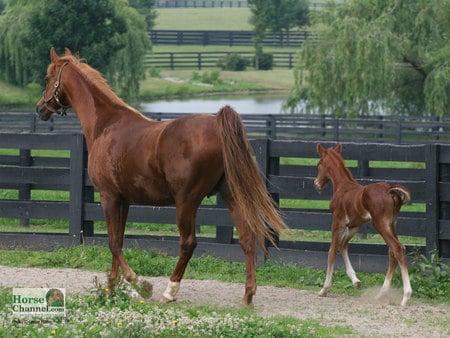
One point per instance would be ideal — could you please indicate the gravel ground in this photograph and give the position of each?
(366, 316)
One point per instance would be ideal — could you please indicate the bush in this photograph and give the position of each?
(233, 61)
(430, 276)
(265, 61)
(212, 77)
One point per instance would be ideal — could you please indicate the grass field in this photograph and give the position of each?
(204, 19)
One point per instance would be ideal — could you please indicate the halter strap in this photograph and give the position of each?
(55, 94)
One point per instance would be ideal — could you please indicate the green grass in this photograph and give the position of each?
(203, 19)
(120, 316)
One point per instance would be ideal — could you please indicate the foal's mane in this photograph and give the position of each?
(339, 162)
(94, 77)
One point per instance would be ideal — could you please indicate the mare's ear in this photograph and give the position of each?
(53, 56)
(338, 148)
(67, 51)
(320, 149)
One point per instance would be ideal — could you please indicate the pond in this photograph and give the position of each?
(255, 104)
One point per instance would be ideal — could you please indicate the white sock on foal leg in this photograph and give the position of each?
(171, 290)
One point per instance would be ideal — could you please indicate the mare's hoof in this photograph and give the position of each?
(144, 288)
(357, 285)
(247, 304)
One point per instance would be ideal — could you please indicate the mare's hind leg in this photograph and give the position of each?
(186, 225)
(247, 242)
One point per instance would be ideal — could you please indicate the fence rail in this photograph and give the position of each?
(211, 4)
(26, 170)
(225, 38)
(379, 129)
(200, 60)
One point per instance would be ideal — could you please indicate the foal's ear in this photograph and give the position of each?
(320, 149)
(53, 56)
(338, 148)
(67, 51)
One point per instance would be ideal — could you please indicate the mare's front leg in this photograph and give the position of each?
(186, 213)
(116, 213)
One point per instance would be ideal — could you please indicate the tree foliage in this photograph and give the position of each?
(109, 34)
(372, 56)
(277, 16)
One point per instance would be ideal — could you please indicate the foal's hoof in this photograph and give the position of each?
(322, 293)
(357, 285)
(165, 300)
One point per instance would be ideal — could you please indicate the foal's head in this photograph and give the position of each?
(330, 159)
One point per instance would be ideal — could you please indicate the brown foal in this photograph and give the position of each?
(354, 205)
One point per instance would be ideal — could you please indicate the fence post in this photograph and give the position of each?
(199, 61)
(77, 165)
(432, 197)
(224, 234)
(172, 66)
(25, 189)
(444, 204)
(261, 151)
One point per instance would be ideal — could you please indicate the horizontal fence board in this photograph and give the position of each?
(34, 209)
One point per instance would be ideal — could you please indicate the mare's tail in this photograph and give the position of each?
(255, 204)
(400, 192)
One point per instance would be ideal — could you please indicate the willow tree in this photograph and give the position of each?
(109, 34)
(368, 57)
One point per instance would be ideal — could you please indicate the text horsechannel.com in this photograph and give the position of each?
(39, 302)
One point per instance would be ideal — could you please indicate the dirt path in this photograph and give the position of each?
(366, 317)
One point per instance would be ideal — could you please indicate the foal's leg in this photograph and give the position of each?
(396, 254)
(186, 213)
(336, 231)
(349, 233)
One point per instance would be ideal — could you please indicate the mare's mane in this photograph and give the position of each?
(94, 78)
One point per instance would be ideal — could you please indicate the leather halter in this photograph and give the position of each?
(55, 94)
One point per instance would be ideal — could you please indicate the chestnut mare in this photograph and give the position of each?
(133, 159)
(354, 205)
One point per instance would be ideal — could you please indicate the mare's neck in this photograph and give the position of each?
(94, 109)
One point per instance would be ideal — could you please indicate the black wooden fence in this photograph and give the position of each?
(425, 169)
(226, 38)
(201, 60)
(212, 4)
(379, 129)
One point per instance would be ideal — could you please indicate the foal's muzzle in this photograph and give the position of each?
(318, 186)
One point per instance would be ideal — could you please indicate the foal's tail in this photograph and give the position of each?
(401, 192)
(254, 202)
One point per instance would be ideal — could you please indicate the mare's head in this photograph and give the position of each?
(330, 160)
(54, 99)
